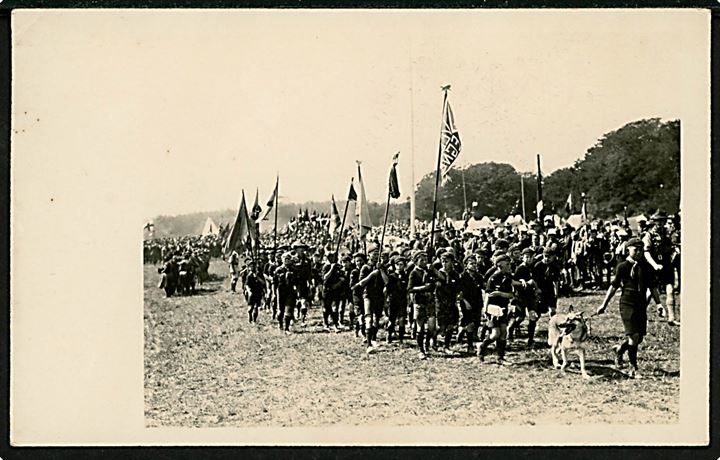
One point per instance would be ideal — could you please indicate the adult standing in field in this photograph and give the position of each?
(421, 283)
(634, 276)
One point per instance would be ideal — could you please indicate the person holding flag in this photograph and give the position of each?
(448, 151)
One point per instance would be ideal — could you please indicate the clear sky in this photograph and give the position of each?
(206, 103)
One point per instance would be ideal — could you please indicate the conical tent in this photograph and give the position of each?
(485, 222)
(210, 228)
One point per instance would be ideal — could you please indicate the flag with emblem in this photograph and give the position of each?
(450, 144)
(334, 217)
(256, 209)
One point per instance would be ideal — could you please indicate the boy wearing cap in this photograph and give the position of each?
(526, 296)
(372, 280)
(397, 298)
(446, 295)
(634, 277)
(658, 250)
(499, 292)
(303, 275)
(546, 276)
(356, 310)
(332, 280)
(254, 291)
(471, 284)
(285, 282)
(421, 283)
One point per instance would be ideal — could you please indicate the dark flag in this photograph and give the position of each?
(335, 218)
(352, 195)
(450, 142)
(394, 187)
(240, 232)
(256, 209)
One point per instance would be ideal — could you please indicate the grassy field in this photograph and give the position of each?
(205, 365)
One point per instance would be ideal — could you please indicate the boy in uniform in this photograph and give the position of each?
(286, 293)
(446, 293)
(499, 291)
(397, 298)
(634, 276)
(421, 284)
(470, 285)
(372, 281)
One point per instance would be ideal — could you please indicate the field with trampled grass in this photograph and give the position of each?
(206, 366)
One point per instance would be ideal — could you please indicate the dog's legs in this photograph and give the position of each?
(564, 358)
(581, 354)
(553, 353)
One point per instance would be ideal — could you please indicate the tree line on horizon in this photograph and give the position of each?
(637, 165)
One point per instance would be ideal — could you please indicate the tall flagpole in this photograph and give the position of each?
(412, 149)
(522, 195)
(437, 171)
(462, 171)
(342, 225)
(277, 196)
(382, 236)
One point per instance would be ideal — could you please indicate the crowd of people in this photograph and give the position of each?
(184, 262)
(473, 291)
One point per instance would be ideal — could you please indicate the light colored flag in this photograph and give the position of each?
(569, 204)
(362, 210)
(271, 201)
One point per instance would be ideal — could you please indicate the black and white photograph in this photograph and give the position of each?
(345, 220)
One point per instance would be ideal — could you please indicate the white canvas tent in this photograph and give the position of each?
(634, 222)
(515, 220)
(575, 221)
(210, 228)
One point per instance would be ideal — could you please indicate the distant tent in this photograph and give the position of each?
(210, 228)
(634, 222)
(485, 222)
(575, 221)
(515, 220)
